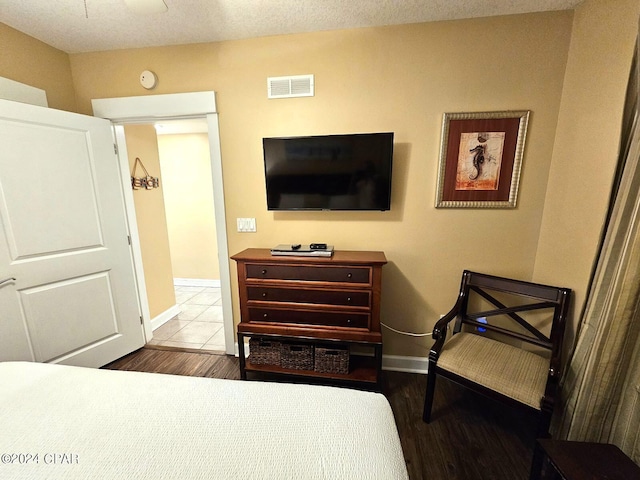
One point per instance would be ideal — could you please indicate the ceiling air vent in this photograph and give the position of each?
(289, 87)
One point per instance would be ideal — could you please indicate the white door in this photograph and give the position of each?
(64, 238)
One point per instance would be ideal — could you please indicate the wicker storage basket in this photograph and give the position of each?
(264, 351)
(331, 359)
(298, 356)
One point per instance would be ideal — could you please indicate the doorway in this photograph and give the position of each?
(187, 190)
(152, 109)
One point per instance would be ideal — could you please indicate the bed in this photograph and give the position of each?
(77, 423)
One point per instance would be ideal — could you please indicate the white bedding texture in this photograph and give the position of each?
(62, 422)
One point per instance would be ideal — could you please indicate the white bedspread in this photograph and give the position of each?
(60, 422)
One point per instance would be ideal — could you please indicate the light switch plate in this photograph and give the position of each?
(246, 224)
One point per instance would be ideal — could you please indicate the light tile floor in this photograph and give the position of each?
(199, 324)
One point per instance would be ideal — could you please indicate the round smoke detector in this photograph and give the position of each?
(148, 79)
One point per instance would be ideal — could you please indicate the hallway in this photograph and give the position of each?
(199, 324)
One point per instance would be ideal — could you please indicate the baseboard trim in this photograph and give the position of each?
(164, 317)
(246, 349)
(196, 282)
(400, 363)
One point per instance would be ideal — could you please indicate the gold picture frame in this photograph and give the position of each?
(481, 159)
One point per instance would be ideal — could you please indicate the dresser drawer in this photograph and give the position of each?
(331, 319)
(310, 273)
(324, 297)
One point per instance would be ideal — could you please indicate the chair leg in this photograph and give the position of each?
(537, 462)
(428, 398)
(544, 422)
(546, 413)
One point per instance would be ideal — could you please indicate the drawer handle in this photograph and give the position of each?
(348, 321)
(264, 294)
(266, 315)
(264, 271)
(349, 299)
(349, 275)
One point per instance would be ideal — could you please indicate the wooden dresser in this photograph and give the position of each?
(315, 301)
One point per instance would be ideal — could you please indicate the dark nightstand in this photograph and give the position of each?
(565, 460)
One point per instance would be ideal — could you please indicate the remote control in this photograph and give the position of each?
(295, 246)
(318, 246)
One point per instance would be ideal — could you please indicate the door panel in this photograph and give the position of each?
(64, 237)
(59, 319)
(29, 183)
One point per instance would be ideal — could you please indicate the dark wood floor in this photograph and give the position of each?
(469, 436)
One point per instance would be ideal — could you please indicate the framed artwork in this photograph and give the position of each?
(480, 159)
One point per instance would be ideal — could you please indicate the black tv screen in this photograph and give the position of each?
(329, 172)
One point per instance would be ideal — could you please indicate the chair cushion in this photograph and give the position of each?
(514, 372)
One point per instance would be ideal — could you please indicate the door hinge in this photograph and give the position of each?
(141, 321)
(115, 148)
(129, 239)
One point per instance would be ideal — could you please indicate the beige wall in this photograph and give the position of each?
(27, 60)
(188, 199)
(151, 219)
(587, 142)
(401, 79)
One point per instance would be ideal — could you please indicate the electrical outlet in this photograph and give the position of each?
(246, 224)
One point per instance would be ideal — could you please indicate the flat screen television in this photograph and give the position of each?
(329, 172)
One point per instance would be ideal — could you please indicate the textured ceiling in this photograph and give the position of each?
(95, 25)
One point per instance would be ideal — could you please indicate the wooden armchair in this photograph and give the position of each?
(496, 346)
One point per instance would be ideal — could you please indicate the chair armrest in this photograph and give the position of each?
(439, 333)
(440, 328)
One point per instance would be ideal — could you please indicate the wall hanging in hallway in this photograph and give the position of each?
(147, 181)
